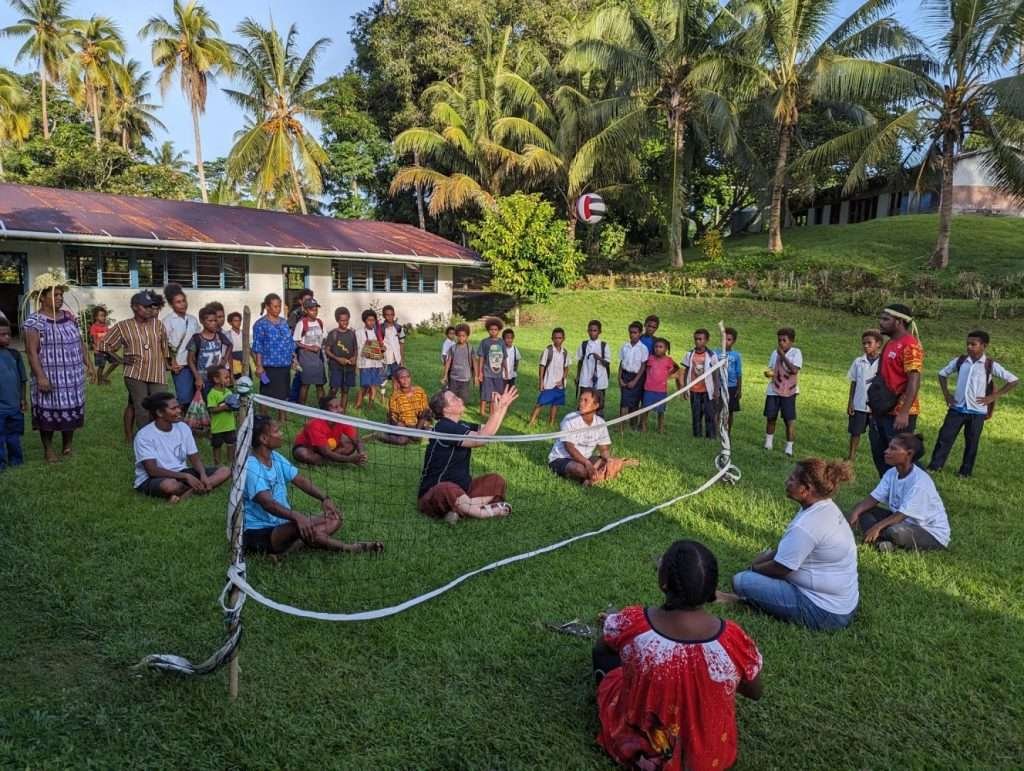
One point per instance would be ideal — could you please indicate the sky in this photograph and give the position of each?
(314, 18)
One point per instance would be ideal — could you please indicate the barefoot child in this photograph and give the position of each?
(861, 372)
(271, 525)
(446, 345)
(512, 357)
(392, 334)
(734, 372)
(309, 343)
(659, 368)
(325, 441)
(97, 331)
(370, 359)
(340, 349)
(783, 370)
(490, 365)
(222, 403)
(574, 456)
(633, 357)
(554, 364)
(458, 367)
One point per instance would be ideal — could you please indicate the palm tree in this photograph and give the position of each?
(167, 155)
(14, 113)
(275, 145)
(44, 24)
(459, 158)
(671, 67)
(95, 44)
(961, 89)
(129, 114)
(803, 64)
(190, 46)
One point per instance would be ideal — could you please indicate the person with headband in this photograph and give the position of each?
(893, 394)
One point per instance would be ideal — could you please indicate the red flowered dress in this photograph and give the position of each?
(672, 702)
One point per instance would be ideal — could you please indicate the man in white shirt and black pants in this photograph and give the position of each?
(971, 403)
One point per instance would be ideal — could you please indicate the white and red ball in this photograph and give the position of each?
(590, 208)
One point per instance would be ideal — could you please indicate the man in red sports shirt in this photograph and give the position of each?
(900, 366)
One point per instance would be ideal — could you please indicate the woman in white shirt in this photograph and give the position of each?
(913, 516)
(810, 579)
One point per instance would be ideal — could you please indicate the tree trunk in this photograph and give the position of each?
(199, 153)
(124, 139)
(940, 256)
(778, 190)
(3, 174)
(515, 316)
(42, 89)
(572, 219)
(97, 133)
(675, 223)
(296, 187)
(419, 194)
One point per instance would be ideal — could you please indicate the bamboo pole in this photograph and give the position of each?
(233, 596)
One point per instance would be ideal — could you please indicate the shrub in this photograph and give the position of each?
(438, 322)
(712, 245)
(611, 244)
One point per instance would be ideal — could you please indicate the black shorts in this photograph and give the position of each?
(100, 359)
(220, 439)
(786, 405)
(151, 486)
(858, 423)
(734, 399)
(559, 465)
(259, 541)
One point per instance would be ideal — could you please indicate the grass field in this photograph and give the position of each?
(94, 577)
(989, 246)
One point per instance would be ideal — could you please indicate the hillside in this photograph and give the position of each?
(988, 245)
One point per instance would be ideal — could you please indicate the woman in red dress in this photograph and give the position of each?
(325, 441)
(668, 676)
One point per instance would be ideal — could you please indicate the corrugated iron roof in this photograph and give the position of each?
(26, 209)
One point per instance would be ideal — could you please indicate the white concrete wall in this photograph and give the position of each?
(265, 276)
(968, 172)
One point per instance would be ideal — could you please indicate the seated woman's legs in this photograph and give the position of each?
(784, 601)
(308, 455)
(604, 660)
(904, 535)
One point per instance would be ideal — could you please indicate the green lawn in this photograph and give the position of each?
(986, 245)
(94, 577)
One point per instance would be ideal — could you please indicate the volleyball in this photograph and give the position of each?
(243, 385)
(590, 208)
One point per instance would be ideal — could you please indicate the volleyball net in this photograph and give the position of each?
(422, 557)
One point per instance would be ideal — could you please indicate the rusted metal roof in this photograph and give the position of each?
(26, 210)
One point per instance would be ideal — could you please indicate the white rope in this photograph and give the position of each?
(372, 425)
(236, 573)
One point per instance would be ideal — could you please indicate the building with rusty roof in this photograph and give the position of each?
(111, 246)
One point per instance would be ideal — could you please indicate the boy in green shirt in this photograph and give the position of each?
(221, 402)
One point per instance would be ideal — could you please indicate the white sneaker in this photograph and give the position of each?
(769, 441)
(789, 449)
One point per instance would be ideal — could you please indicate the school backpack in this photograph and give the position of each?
(550, 351)
(989, 385)
(305, 325)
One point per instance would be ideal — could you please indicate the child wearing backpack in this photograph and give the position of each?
(971, 403)
(554, 365)
(593, 364)
(695, 363)
(512, 357)
(309, 343)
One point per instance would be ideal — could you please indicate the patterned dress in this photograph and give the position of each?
(60, 355)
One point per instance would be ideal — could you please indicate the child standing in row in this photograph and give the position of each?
(696, 363)
(659, 368)
(369, 359)
(490, 365)
(784, 367)
(393, 336)
(13, 399)
(554, 365)
(458, 366)
(863, 369)
(103, 362)
(734, 372)
(309, 343)
(208, 348)
(512, 357)
(593, 364)
(221, 403)
(237, 346)
(449, 341)
(651, 324)
(341, 350)
(633, 357)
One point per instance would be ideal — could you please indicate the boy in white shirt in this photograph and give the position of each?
(512, 357)
(784, 367)
(593, 363)
(394, 345)
(554, 365)
(574, 456)
(863, 369)
(449, 341)
(633, 357)
(971, 403)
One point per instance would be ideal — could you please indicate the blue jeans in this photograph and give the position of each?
(783, 600)
(12, 426)
(184, 387)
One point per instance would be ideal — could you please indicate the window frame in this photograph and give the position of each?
(414, 281)
(76, 253)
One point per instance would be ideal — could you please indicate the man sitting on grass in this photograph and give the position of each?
(407, 407)
(167, 461)
(271, 525)
(573, 457)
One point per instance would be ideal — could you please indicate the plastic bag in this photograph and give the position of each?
(198, 417)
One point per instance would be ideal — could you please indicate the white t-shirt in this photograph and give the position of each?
(179, 331)
(794, 357)
(364, 336)
(511, 365)
(916, 498)
(972, 382)
(313, 333)
(633, 357)
(593, 354)
(446, 346)
(235, 338)
(556, 362)
(861, 372)
(585, 442)
(170, 449)
(394, 336)
(819, 548)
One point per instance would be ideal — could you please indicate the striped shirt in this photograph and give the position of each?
(145, 349)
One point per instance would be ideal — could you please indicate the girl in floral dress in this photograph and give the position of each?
(668, 676)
